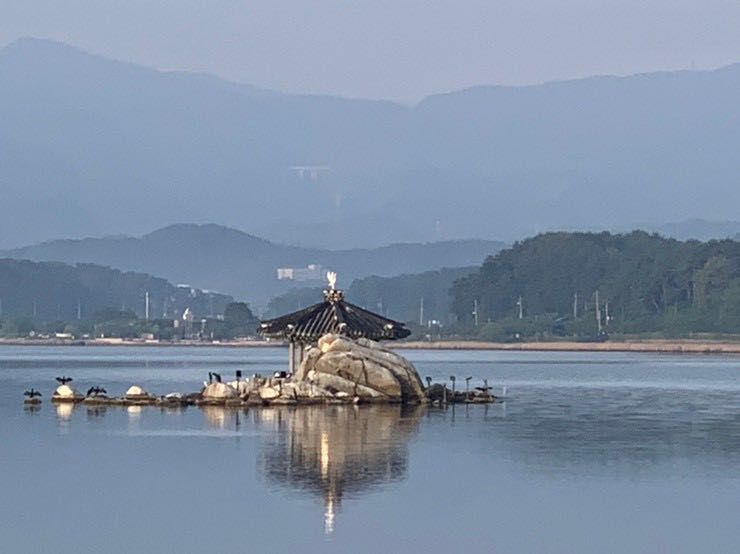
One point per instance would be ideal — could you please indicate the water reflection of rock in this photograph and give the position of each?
(334, 451)
(220, 417)
(64, 410)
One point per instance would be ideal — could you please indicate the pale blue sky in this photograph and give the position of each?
(399, 49)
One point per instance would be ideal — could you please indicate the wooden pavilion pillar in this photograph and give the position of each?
(295, 355)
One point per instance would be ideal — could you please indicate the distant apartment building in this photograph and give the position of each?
(312, 272)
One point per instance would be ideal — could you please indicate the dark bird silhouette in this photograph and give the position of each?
(217, 376)
(63, 380)
(485, 388)
(95, 391)
(32, 393)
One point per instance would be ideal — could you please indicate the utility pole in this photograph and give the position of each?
(475, 311)
(421, 312)
(598, 311)
(575, 305)
(79, 309)
(606, 313)
(521, 307)
(146, 305)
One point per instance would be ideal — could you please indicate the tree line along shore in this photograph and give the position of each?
(579, 287)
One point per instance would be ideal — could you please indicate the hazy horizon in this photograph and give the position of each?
(402, 52)
(129, 146)
(401, 101)
(120, 148)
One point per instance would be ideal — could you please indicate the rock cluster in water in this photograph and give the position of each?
(361, 369)
(65, 393)
(337, 370)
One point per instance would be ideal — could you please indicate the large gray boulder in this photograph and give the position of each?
(218, 391)
(361, 368)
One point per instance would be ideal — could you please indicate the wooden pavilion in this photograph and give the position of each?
(333, 315)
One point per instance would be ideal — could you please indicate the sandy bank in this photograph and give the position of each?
(685, 346)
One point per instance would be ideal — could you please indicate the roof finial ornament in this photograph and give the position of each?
(331, 276)
(331, 294)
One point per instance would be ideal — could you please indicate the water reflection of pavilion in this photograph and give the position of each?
(333, 451)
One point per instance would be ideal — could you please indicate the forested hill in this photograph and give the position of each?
(651, 284)
(48, 291)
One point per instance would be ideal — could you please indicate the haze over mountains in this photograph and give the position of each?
(244, 266)
(91, 147)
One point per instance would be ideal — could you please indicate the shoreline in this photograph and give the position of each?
(678, 346)
(685, 346)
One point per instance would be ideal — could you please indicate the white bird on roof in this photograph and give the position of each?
(331, 276)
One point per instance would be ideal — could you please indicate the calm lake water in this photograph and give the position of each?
(590, 452)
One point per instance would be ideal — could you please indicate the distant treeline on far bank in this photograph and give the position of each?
(87, 300)
(644, 283)
(546, 287)
(553, 286)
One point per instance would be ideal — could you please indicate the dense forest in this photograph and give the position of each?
(50, 297)
(645, 284)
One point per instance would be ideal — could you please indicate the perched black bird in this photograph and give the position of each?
(217, 376)
(90, 391)
(33, 393)
(485, 388)
(63, 380)
(95, 391)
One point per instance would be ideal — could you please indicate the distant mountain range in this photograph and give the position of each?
(244, 266)
(91, 146)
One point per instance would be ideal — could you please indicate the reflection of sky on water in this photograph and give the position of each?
(591, 452)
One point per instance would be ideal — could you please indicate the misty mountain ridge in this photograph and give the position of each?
(214, 257)
(112, 147)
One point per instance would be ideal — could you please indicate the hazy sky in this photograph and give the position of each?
(399, 49)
